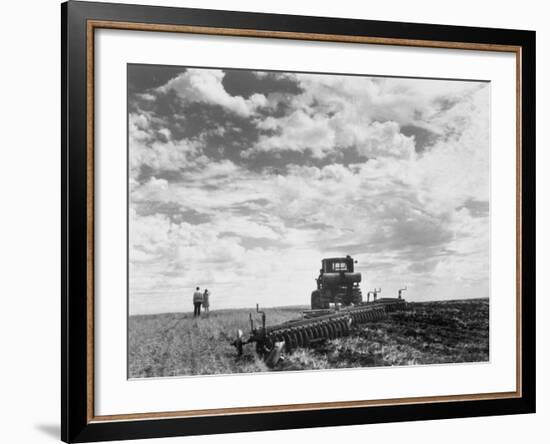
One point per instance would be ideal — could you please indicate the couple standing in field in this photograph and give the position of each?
(201, 299)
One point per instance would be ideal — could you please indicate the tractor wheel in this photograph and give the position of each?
(316, 300)
(326, 298)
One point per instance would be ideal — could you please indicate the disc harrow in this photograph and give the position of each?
(314, 327)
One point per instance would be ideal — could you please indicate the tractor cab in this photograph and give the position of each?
(337, 265)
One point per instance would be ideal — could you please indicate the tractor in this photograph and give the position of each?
(337, 283)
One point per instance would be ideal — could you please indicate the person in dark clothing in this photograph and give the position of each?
(197, 301)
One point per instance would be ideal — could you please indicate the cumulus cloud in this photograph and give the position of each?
(336, 112)
(205, 86)
(158, 153)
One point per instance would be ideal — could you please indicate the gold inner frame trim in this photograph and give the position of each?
(233, 32)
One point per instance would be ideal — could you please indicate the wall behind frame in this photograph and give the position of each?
(29, 227)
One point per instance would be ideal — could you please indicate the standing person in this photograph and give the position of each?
(197, 301)
(206, 301)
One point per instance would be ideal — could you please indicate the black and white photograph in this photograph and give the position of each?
(285, 221)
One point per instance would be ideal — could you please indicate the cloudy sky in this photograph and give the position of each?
(242, 181)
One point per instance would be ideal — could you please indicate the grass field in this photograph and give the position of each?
(175, 344)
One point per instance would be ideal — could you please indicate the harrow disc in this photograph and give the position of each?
(308, 334)
(300, 337)
(318, 332)
(305, 336)
(338, 328)
(331, 330)
(293, 339)
(288, 343)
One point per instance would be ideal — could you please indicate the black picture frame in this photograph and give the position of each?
(77, 425)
